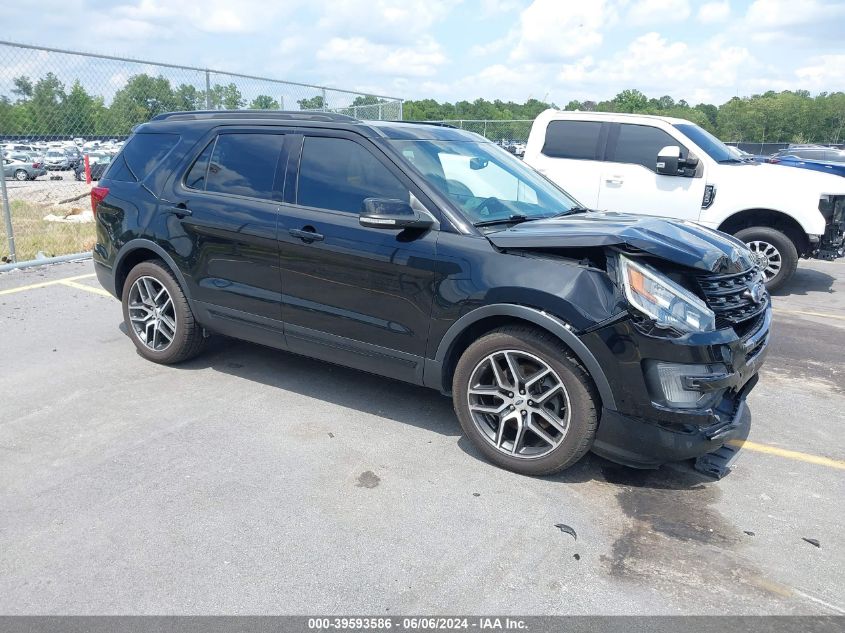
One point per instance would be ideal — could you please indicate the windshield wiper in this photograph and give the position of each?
(730, 160)
(572, 211)
(513, 219)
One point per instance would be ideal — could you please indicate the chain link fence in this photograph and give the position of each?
(58, 107)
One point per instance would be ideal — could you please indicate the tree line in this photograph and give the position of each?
(47, 107)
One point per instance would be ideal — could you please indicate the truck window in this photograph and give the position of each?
(244, 164)
(639, 145)
(573, 139)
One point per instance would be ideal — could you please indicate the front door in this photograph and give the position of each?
(630, 182)
(354, 295)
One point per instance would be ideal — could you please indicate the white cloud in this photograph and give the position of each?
(714, 12)
(648, 12)
(550, 30)
(656, 66)
(496, 7)
(384, 21)
(795, 21)
(211, 16)
(420, 61)
(823, 73)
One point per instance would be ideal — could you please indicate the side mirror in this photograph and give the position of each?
(668, 159)
(381, 213)
(476, 163)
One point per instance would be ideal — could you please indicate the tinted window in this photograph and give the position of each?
(639, 144)
(196, 176)
(339, 174)
(144, 151)
(244, 164)
(573, 139)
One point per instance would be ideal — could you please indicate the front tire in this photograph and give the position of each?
(524, 401)
(158, 316)
(775, 254)
(21, 175)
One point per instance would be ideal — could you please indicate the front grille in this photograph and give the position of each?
(731, 298)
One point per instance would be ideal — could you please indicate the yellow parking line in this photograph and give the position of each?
(782, 452)
(96, 291)
(825, 315)
(44, 284)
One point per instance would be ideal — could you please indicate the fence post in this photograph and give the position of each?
(401, 110)
(282, 102)
(7, 212)
(325, 103)
(380, 112)
(207, 90)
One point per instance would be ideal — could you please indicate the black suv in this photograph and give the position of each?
(427, 254)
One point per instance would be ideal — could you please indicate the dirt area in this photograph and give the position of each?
(49, 218)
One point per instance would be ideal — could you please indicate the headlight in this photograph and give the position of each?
(660, 298)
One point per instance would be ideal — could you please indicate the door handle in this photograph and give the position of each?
(179, 210)
(614, 180)
(307, 234)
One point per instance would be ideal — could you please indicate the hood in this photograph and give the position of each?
(765, 175)
(683, 243)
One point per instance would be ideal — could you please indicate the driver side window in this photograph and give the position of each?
(639, 144)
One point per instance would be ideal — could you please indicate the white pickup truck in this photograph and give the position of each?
(671, 167)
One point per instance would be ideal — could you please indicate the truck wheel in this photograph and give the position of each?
(524, 401)
(158, 316)
(775, 254)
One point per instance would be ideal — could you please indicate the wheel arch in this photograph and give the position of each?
(769, 218)
(439, 371)
(140, 250)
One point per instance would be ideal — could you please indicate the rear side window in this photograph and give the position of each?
(196, 176)
(640, 144)
(338, 174)
(244, 164)
(573, 139)
(140, 156)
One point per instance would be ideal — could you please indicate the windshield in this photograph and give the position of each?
(712, 146)
(484, 181)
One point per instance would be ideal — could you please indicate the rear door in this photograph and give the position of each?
(222, 220)
(352, 294)
(570, 157)
(630, 182)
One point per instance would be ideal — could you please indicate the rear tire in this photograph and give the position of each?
(774, 251)
(530, 425)
(158, 316)
(21, 175)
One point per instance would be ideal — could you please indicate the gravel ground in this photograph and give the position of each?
(56, 196)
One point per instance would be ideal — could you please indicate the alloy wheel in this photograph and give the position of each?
(152, 314)
(768, 258)
(21, 175)
(519, 404)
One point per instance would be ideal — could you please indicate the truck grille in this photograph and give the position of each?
(731, 297)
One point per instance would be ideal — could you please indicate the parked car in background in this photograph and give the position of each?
(22, 170)
(671, 167)
(812, 152)
(837, 169)
(57, 160)
(98, 162)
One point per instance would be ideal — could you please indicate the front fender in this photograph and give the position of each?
(433, 371)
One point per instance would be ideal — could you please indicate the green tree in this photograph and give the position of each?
(264, 102)
(23, 87)
(138, 101)
(312, 103)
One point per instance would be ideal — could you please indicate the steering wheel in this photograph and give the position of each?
(486, 206)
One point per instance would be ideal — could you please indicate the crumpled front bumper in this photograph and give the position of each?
(643, 433)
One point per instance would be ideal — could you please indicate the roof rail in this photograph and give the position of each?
(253, 114)
(437, 123)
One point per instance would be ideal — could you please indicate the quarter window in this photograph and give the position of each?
(573, 139)
(244, 164)
(640, 144)
(196, 176)
(338, 174)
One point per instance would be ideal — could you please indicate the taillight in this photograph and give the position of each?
(774, 161)
(98, 194)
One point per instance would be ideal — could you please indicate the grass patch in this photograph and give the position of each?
(34, 235)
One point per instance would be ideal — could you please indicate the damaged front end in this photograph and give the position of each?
(831, 244)
(685, 351)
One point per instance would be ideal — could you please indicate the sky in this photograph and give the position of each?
(555, 50)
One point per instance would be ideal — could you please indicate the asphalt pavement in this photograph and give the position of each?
(251, 481)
